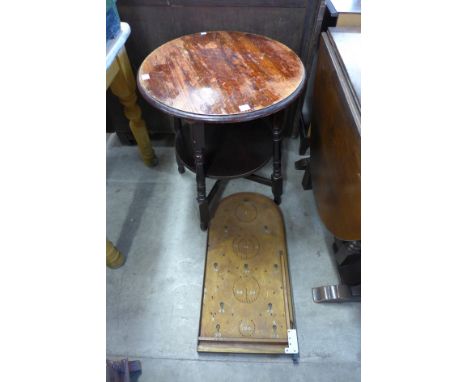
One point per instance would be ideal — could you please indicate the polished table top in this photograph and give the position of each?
(221, 76)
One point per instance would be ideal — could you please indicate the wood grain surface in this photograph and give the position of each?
(221, 76)
(336, 145)
(246, 292)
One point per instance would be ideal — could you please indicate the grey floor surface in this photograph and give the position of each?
(153, 301)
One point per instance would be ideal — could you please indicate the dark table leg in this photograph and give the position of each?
(198, 140)
(123, 370)
(178, 135)
(304, 164)
(348, 258)
(303, 140)
(277, 177)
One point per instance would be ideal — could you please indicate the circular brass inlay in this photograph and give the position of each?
(246, 211)
(247, 328)
(245, 246)
(246, 289)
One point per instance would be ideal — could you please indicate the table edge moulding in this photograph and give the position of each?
(242, 116)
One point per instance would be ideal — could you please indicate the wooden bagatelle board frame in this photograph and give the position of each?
(247, 301)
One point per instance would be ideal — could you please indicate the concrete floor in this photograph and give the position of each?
(153, 301)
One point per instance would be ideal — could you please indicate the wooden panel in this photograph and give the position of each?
(246, 297)
(220, 74)
(336, 147)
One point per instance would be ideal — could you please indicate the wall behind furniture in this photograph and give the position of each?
(154, 22)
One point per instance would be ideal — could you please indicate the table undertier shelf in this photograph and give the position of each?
(231, 150)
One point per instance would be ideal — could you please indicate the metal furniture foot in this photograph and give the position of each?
(337, 293)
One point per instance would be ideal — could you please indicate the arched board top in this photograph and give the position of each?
(221, 76)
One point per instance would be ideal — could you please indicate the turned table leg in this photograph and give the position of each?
(277, 177)
(198, 140)
(124, 87)
(114, 258)
(178, 135)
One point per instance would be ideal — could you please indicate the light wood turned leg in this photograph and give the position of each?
(124, 87)
(114, 258)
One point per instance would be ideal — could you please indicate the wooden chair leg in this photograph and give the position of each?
(114, 258)
(124, 87)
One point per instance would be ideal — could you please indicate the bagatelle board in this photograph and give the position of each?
(246, 303)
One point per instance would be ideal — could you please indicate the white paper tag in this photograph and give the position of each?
(145, 76)
(244, 107)
(202, 33)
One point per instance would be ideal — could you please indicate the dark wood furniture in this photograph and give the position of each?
(334, 170)
(291, 22)
(341, 13)
(336, 134)
(228, 88)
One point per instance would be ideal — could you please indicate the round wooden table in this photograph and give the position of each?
(230, 89)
